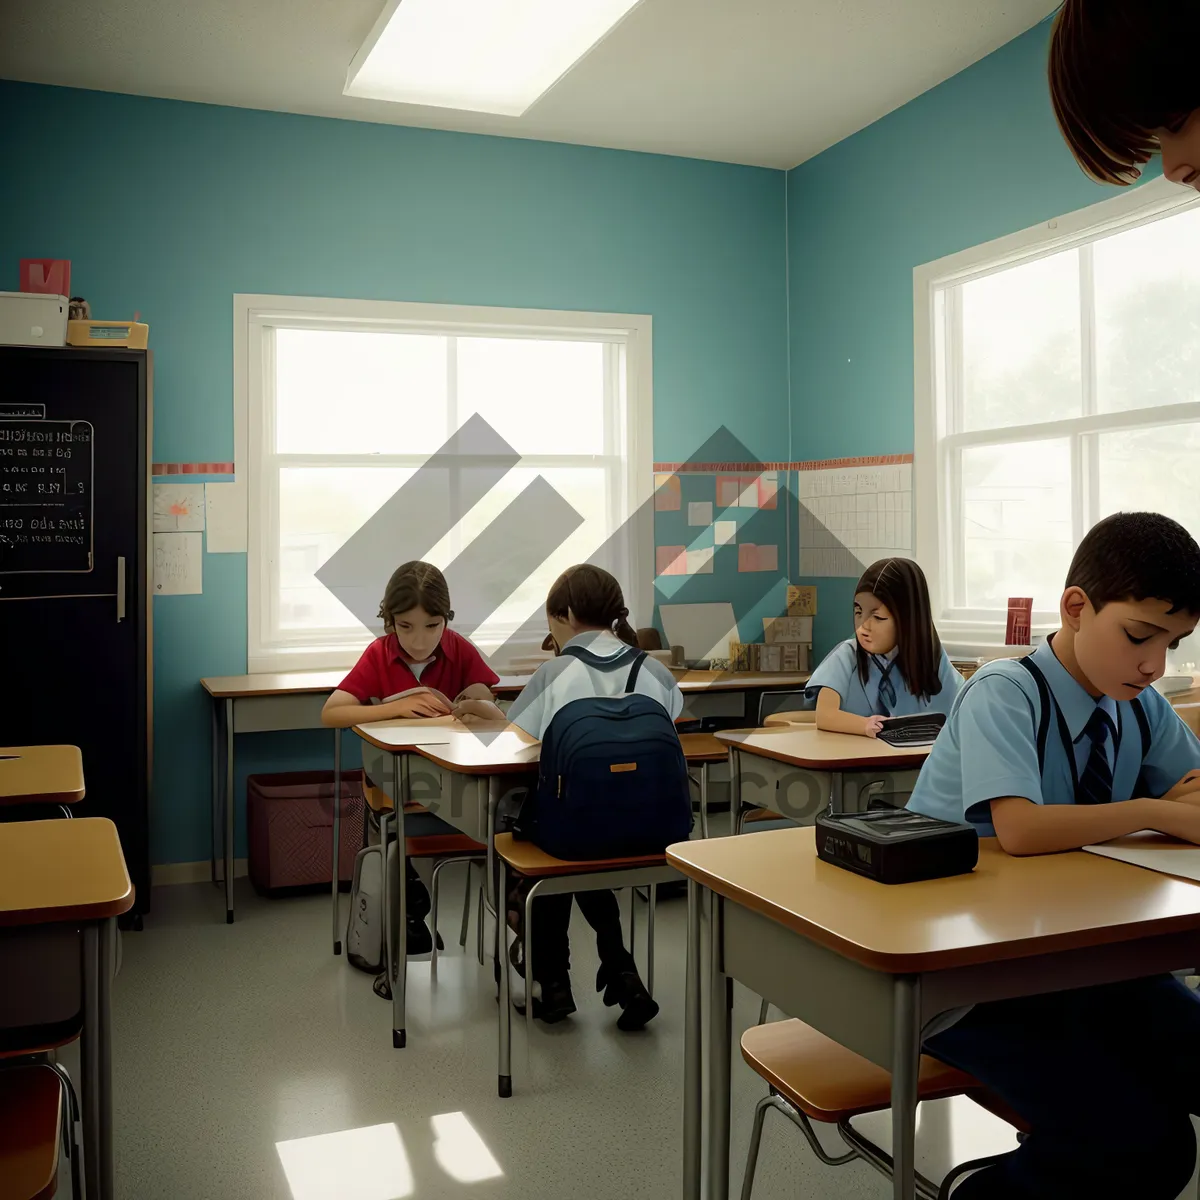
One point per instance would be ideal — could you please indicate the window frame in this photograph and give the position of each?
(937, 483)
(628, 363)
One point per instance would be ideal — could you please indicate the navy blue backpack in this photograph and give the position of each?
(612, 779)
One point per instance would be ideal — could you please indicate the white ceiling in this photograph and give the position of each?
(763, 82)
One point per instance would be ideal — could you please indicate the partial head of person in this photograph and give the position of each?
(584, 599)
(1124, 85)
(1133, 593)
(416, 608)
(892, 612)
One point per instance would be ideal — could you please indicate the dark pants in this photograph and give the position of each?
(1106, 1077)
(551, 940)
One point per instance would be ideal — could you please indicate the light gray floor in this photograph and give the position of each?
(230, 1040)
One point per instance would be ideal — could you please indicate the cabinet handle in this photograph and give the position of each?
(120, 590)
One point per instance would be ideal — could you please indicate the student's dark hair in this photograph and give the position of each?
(1138, 556)
(1119, 70)
(415, 584)
(594, 596)
(899, 584)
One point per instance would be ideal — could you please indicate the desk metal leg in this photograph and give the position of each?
(835, 792)
(693, 1095)
(704, 800)
(906, 1046)
(229, 807)
(504, 1020)
(491, 884)
(337, 838)
(107, 962)
(735, 792)
(90, 1059)
(399, 1032)
(719, 1051)
(215, 814)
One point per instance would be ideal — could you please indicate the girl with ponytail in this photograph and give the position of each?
(585, 608)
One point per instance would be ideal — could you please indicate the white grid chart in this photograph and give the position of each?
(851, 516)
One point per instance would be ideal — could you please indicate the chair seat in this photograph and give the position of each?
(379, 801)
(527, 859)
(442, 845)
(30, 1127)
(830, 1083)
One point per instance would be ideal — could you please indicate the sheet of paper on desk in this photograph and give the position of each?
(1154, 853)
(703, 630)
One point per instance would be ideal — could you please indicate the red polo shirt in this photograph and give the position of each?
(383, 671)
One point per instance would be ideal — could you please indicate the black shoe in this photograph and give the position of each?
(638, 1007)
(555, 1004)
(419, 941)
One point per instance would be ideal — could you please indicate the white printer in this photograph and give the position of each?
(33, 319)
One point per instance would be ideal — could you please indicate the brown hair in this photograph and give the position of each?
(415, 584)
(1138, 556)
(594, 596)
(1119, 70)
(899, 584)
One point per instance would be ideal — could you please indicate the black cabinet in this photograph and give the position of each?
(75, 609)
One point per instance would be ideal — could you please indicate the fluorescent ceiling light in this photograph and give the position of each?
(494, 56)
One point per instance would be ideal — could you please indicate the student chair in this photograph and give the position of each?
(39, 1117)
(32, 1116)
(444, 849)
(554, 876)
(813, 1078)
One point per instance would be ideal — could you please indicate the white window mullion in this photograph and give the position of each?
(953, 511)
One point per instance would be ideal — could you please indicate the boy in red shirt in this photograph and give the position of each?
(419, 668)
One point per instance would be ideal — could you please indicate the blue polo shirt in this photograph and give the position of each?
(988, 749)
(839, 672)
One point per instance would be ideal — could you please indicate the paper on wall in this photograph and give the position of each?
(725, 533)
(225, 514)
(177, 564)
(703, 630)
(700, 562)
(700, 512)
(178, 507)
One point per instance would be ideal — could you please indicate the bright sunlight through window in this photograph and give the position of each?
(460, 1151)
(356, 1164)
(493, 56)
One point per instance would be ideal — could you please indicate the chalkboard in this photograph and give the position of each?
(45, 496)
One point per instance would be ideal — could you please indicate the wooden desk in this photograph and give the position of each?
(871, 966)
(267, 703)
(825, 770)
(477, 766)
(41, 774)
(73, 873)
(287, 700)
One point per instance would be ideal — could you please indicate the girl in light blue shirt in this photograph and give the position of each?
(894, 666)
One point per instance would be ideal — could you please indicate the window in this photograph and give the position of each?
(1058, 381)
(346, 399)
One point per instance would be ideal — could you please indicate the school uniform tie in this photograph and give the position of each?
(1096, 782)
(887, 689)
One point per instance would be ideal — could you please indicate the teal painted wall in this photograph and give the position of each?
(974, 159)
(170, 208)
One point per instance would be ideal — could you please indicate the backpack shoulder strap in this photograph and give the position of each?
(631, 682)
(597, 663)
(1044, 695)
(1143, 725)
